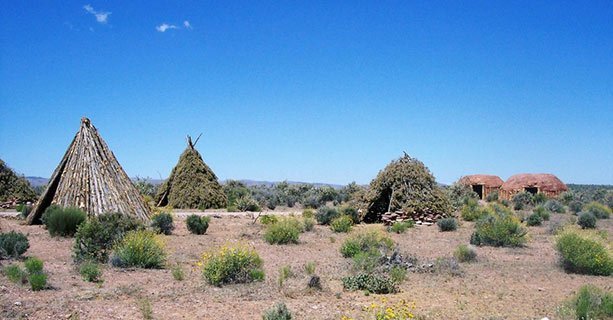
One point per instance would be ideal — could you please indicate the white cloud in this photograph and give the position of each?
(164, 26)
(101, 16)
(187, 25)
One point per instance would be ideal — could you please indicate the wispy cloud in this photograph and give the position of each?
(101, 16)
(165, 26)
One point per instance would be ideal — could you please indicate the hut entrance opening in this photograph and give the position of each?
(478, 189)
(533, 190)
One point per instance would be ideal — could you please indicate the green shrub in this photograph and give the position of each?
(38, 281)
(599, 210)
(95, 237)
(141, 249)
(308, 213)
(309, 267)
(197, 224)
(471, 211)
(278, 312)
(447, 224)
(247, 203)
(370, 282)
(308, 224)
(401, 226)
(575, 206)
(367, 261)
(465, 253)
(459, 194)
(268, 219)
(63, 221)
(499, 228)
(534, 219)
(342, 224)
(177, 272)
(90, 271)
(492, 196)
(539, 198)
(234, 263)
(13, 244)
(15, 274)
(24, 210)
(522, 200)
(285, 272)
(325, 215)
(162, 223)
(543, 212)
(584, 253)
(285, 231)
(554, 205)
(586, 220)
(351, 212)
(33, 265)
(398, 274)
(592, 303)
(366, 241)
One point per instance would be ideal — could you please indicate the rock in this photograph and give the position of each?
(315, 283)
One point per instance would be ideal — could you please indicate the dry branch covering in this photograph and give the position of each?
(405, 185)
(89, 177)
(191, 184)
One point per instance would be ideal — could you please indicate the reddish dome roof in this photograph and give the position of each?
(544, 181)
(484, 179)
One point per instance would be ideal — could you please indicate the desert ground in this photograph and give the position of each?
(505, 283)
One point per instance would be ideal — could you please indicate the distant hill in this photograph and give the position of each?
(40, 181)
(37, 181)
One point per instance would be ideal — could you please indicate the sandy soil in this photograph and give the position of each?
(521, 283)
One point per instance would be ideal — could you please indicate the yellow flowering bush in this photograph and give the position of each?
(585, 252)
(401, 310)
(141, 249)
(232, 263)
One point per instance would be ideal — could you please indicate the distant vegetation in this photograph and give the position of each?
(14, 187)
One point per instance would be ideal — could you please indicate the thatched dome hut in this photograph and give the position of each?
(545, 183)
(482, 184)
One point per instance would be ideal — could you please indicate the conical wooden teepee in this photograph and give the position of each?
(191, 184)
(89, 177)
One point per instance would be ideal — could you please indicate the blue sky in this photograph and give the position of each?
(313, 91)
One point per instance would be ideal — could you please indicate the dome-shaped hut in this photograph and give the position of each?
(482, 184)
(534, 183)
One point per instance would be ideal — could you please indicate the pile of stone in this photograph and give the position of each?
(426, 219)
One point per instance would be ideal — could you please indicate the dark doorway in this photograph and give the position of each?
(533, 190)
(478, 189)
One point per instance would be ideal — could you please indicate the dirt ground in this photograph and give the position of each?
(505, 283)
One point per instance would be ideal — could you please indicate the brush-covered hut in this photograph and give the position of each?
(191, 184)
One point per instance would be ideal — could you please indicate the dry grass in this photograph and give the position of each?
(506, 283)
